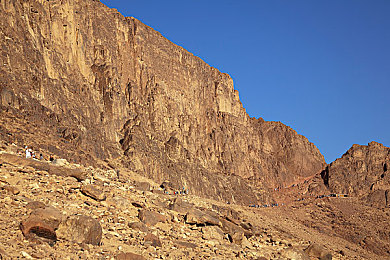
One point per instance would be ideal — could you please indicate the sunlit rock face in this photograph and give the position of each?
(101, 86)
(363, 172)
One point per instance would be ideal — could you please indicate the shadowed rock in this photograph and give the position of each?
(93, 192)
(235, 232)
(42, 223)
(198, 217)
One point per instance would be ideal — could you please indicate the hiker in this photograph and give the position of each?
(41, 157)
(51, 158)
(28, 152)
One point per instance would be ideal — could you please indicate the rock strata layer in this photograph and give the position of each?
(97, 85)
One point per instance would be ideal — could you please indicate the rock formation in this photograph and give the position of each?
(361, 172)
(97, 85)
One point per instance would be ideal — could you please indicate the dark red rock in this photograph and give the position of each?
(42, 223)
(34, 227)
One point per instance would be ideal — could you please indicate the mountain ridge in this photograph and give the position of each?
(111, 85)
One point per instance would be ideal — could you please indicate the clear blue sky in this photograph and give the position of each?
(321, 67)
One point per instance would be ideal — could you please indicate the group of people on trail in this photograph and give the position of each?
(266, 205)
(30, 153)
(184, 191)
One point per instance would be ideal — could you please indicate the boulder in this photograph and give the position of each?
(42, 224)
(151, 218)
(81, 229)
(35, 205)
(198, 217)
(93, 192)
(185, 244)
(180, 206)
(129, 256)
(60, 162)
(296, 254)
(152, 240)
(212, 233)
(315, 250)
(236, 233)
(138, 226)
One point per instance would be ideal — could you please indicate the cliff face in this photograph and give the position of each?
(105, 85)
(362, 172)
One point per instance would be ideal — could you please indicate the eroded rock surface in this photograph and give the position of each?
(93, 84)
(361, 172)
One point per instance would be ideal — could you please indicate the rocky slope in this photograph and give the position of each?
(98, 85)
(361, 172)
(68, 211)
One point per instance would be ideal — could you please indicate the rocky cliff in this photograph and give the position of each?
(362, 172)
(95, 84)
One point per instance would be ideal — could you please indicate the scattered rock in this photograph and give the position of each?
(81, 229)
(93, 192)
(12, 190)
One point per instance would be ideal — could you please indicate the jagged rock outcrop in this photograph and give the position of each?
(98, 85)
(362, 172)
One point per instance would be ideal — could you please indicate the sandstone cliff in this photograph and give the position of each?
(98, 85)
(362, 172)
